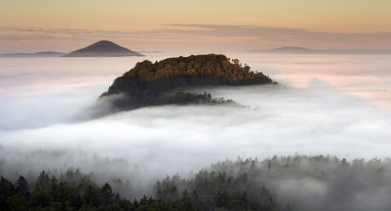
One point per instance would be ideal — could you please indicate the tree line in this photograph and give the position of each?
(50, 194)
(284, 183)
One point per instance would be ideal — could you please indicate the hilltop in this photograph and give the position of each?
(103, 48)
(283, 50)
(149, 83)
(288, 49)
(302, 50)
(33, 55)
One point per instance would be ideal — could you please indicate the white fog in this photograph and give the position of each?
(325, 104)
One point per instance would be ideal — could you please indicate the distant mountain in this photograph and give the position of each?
(301, 50)
(283, 50)
(292, 50)
(147, 52)
(103, 48)
(33, 55)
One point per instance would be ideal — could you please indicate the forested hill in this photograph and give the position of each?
(148, 83)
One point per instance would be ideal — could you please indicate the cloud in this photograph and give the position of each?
(301, 190)
(206, 37)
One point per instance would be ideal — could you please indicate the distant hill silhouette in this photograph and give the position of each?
(32, 55)
(301, 50)
(147, 52)
(103, 48)
(291, 50)
(283, 50)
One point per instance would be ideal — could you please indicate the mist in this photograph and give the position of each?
(328, 105)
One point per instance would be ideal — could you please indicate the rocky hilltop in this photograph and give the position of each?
(155, 83)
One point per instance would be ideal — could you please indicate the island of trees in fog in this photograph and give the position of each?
(149, 84)
(279, 183)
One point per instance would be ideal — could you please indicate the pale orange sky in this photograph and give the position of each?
(173, 25)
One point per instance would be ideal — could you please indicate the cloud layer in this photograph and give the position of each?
(313, 118)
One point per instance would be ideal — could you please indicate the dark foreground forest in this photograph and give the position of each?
(279, 183)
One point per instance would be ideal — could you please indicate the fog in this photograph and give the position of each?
(325, 104)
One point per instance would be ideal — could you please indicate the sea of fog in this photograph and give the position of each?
(325, 104)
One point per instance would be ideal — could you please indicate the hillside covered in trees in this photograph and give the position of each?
(279, 183)
(149, 84)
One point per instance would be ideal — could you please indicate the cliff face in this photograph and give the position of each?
(103, 49)
(149, 83)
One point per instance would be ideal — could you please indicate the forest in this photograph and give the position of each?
(149, 84)
(296, 182)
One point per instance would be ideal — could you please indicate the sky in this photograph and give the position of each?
(194, 26)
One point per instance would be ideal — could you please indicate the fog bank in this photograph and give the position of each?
(316, 110)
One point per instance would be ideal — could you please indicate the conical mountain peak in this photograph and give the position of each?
(103, 48)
